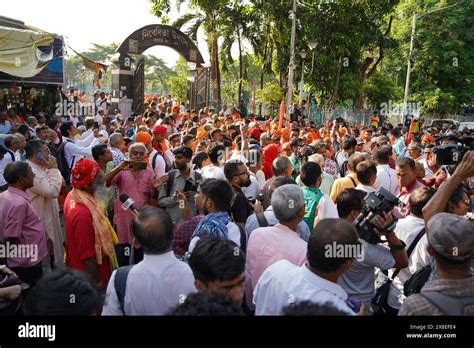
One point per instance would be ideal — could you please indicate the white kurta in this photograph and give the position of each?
(44, 198)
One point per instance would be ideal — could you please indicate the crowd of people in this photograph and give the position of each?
(205, 212)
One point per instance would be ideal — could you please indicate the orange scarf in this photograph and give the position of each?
(105, 236)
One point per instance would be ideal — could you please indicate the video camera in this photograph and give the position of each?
(375, 204)
(452, 154)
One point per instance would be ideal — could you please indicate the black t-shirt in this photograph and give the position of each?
(240, 207)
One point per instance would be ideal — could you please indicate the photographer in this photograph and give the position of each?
(359, 280)
(181, 179)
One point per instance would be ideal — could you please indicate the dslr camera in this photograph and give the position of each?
(375, 204)
(259, 198)
(452, 154)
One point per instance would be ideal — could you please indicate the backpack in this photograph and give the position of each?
(343, 170)
(120, 284)
(416, 282)
(449, 305)
(63, 166)
(172, 176)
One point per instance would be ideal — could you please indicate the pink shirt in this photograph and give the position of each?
(403, 194)
(266, 246)
(19, 220)
(139, 189)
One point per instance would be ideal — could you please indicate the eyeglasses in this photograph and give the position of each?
(246, 172)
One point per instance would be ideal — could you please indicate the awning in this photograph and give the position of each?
(24, 53)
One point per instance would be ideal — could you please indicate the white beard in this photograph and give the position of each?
(100, 196)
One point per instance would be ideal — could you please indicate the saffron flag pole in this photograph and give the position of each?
(412, 123)
(281, 114)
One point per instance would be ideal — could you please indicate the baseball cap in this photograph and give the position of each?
(451, 236)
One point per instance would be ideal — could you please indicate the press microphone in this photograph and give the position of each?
(128, 203)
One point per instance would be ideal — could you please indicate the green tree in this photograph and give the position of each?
(157, 75)
(178, 82)
(443, 69)
(204, 14)
(270, 96)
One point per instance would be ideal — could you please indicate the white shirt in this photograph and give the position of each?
(254, 189)
(261, 179)
(74, 152)
(213, 172)
(160, 164)
(326, 209)
(365, 188)
(7, 158)
(154, 286)
(233, 234)
(420, 257)
(406, 230)
(386, 178)
(283, 283)
(428, 172)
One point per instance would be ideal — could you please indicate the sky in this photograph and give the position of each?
(82, 22)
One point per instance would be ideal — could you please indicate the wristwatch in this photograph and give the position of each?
(397, 247)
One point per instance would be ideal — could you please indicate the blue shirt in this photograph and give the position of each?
(399, 147)
(5, 127)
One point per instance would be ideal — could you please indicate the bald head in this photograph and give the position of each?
(153, 229)
(331, 233)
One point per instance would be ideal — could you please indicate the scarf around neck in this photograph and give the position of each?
(213, 225)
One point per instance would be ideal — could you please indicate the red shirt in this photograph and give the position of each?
(80, 238)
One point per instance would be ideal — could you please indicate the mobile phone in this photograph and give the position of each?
(189, 186)
(96, 125)
(137, 165)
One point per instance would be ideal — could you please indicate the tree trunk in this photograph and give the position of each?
(260, 107)
(241, 68)
(215, 72)
(336, 87)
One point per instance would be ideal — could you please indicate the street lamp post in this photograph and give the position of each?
(312, 45)
(411, 54)
(291, 66)
(303, 57)
(397, 69)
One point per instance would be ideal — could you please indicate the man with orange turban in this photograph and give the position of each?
(160, 134)
(90, 238)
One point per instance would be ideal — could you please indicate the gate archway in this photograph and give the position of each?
(128, 86)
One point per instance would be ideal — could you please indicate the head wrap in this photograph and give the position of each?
(159, 130)
(143, 137)
(269, 155)
(83, 173)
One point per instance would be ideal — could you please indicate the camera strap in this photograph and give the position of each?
(353, 181)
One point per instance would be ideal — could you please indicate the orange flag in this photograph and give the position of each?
(282, 114)
(408, 141)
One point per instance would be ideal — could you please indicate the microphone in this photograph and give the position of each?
(128, 203)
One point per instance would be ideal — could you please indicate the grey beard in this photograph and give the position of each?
(100, 196)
